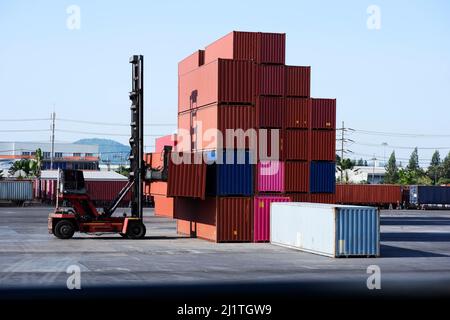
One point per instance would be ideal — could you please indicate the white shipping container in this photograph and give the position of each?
(326, 229)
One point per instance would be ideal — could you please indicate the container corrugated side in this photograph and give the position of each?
(220, 81)
(429, 195)
(271, 144)
(323, 145)
(191, 62)
(371, 194)
(271, 80)
(270, 176)
(16, 190)
(330, 230)
(218, 219)
(329, 198)
(323, 113)
(106, 191)
(270, 111)
(255, 46)
(261, 216)
(298, 112)
(297, 144)
(296, 176)
(298, 81)
(232, 177)
(187, 179)
(168, 140)
(323, 177)
(163, 206)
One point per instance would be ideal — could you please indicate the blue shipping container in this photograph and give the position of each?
(357, 231)
(322, 177)
(16, 190)
(419, 195)
(233, 176)
(326, 229)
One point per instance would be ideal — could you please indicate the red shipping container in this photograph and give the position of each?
(255, 46)
(322, 198)
(163, 206)
(298, 113)
(191, 62)
(271, 80)
(271, 144)
(169, 140)
(184, 138)
(299, 197)
(210, 125)
(296, 176)
(221, 81)
(261, 216)
(298, 83)
(297, 144)
(218, 219)
(324, 113)
(269, 112)
(368, 194)
(187, 179)
(106, 191)
(323, 146)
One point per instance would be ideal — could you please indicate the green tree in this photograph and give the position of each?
(23, 165)
(435, 169)
(413, 164)
(342, 166)
(365, 163)
(125, 171)
(445, 170)
(360, 163)
(391, 175)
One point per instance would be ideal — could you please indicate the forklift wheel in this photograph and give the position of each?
(136, 231)
(123, 235)
(64, 229)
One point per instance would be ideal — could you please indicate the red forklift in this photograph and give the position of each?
(76, 212)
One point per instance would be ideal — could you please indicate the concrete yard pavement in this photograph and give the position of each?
(415, 249)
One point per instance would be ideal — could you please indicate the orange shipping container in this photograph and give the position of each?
(191, 62)
(163, 206)
(220, 81)
(218, 219)
(209, 124)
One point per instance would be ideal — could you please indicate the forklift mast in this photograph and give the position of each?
(137, 135)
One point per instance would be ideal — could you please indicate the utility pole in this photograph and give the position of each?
(52, 140)
(343, 140)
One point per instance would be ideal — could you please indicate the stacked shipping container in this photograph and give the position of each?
(241, 82)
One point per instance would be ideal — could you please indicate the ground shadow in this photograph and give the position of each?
(414, 221)
(396, 252)
(124, 239)
(416, 236)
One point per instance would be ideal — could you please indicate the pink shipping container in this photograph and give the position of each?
(270, 177)
(261, 216)
(255, 46)
(220, 81)
(191, 62)
(169, 140)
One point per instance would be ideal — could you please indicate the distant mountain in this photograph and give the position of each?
(111, 151)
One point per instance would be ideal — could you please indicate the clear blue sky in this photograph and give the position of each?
(394, 79)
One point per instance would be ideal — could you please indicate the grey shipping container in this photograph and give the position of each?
(16, 190)
(326, 229)
(419, 195)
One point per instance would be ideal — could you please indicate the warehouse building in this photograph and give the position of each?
(66, 155)
(360, 174)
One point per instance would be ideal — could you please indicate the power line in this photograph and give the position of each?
(114, 123)
(399, 147)
(24, 120)
(104, 133)
(26, 130)
(401, 135)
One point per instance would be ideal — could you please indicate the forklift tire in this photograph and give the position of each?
(136, 230)
(64, 229)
